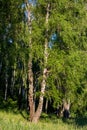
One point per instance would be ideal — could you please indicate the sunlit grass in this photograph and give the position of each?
(16, 121)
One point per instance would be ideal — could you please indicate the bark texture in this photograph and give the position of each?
(30, 72)
(43, 83)
(34, 116)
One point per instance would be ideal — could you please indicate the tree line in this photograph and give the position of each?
(43, 54)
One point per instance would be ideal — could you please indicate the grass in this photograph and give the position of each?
(12, 119)
(16, 121)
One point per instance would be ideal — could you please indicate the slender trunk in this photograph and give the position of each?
(0, 66)
(20, 98)
(30, 93)
(30, 72)
(6, 86)
(38, 112)
(66, 105)
(66, 108)
(43, 84)
(46, 106)
(12, 82)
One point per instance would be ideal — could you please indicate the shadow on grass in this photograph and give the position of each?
(49, 118)
(25, 115)
(81, 121)
(11, 106)
(78, 121)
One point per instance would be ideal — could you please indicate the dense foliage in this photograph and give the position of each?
(65, 56)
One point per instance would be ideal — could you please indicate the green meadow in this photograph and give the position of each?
(19, 121)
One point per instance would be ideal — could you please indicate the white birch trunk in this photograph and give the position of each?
(43, 84)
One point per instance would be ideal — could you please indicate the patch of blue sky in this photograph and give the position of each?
(26, 13)
(51, 42)
(10, 41)
(33, 2)
(54, 37)
(23, 5)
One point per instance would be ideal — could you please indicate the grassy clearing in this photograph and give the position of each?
(17, 121)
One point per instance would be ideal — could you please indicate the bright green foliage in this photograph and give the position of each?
(67, 57)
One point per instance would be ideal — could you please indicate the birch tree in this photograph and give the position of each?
(35, 115)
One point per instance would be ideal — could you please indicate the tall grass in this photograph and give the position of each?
(16, 121)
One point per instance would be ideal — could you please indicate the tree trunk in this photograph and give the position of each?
(46, 105)
(34, 116)
(6, 86)
(30, 93)
(43, 84)
(66, 108)
(12, 82)
(30, 72)
(40, 105)
(0, 66)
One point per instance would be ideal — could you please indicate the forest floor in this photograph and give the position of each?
(13, 119)
(19, 121)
